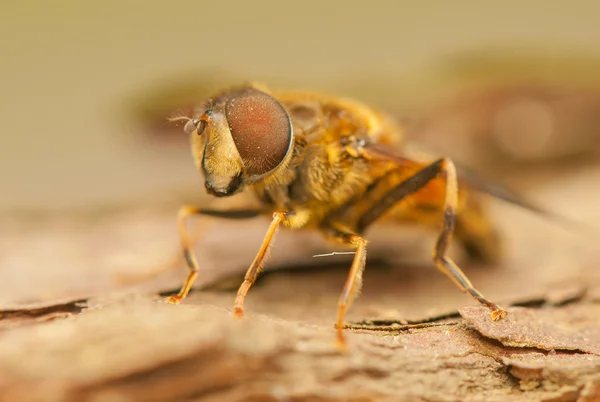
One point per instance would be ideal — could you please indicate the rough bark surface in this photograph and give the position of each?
(81, 318)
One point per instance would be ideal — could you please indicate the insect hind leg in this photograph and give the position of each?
(410, 186)
(442, 261)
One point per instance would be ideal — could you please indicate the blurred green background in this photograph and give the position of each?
(75, 75)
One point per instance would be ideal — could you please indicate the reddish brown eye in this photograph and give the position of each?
(261, 129)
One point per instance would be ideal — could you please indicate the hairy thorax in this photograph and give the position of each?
(326, 169)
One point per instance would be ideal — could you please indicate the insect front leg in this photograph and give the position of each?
(184, 213)
(258, 263)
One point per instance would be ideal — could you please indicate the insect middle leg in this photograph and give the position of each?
(184, 213)
(354, 281)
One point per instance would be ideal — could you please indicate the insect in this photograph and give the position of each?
(331, 165)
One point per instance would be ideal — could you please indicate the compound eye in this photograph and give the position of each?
(261, 129)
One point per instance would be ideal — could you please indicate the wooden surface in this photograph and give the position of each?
(81, 318)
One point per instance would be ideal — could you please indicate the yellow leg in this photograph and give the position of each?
(190, 258)
(353, 283)
(444, 263)
(257, 265)
(192, 264)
